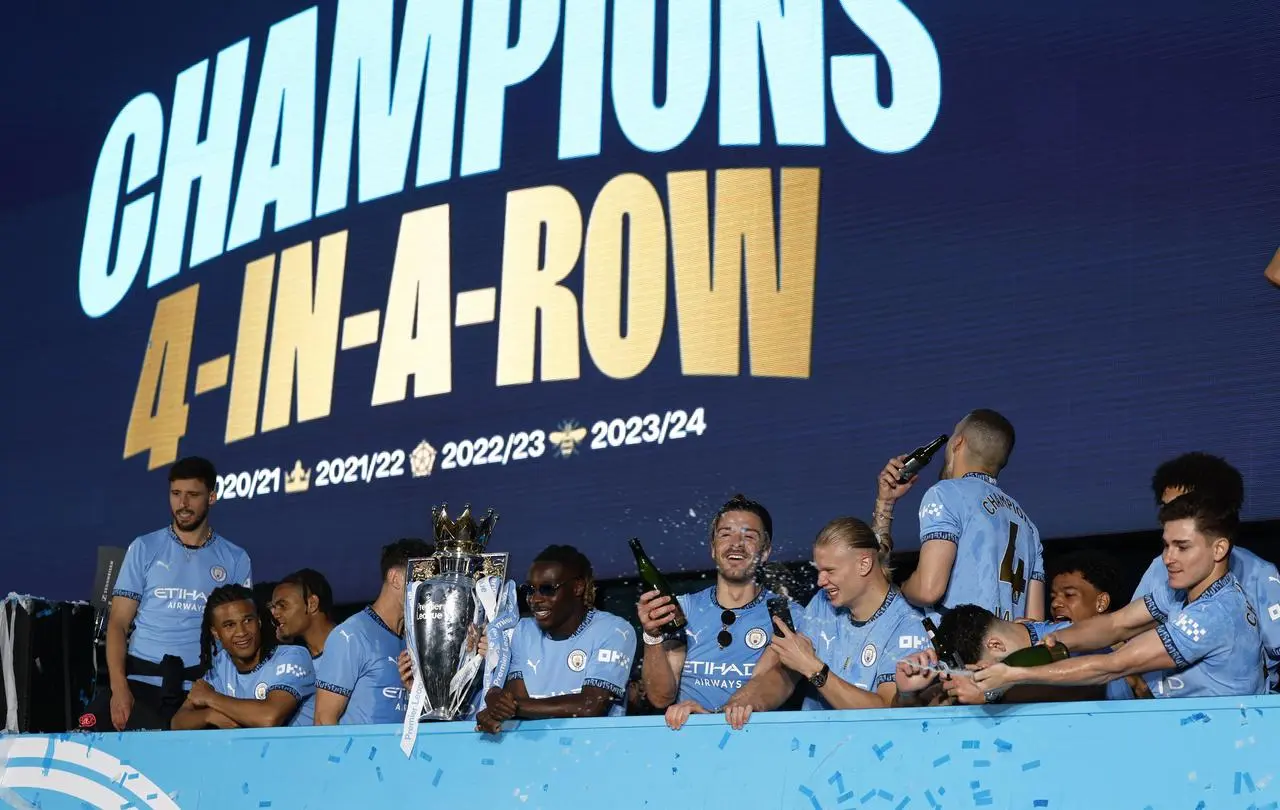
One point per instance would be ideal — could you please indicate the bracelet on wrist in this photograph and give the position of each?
(651, 641)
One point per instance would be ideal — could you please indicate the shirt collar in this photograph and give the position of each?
(213, 538)
(373, 614)
(990, 479)
(888, 600)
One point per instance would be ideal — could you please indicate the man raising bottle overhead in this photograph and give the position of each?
(727, 626)
(977, 545)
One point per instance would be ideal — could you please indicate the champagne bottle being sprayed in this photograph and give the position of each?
(945, 656)
(654, 580)
(920, 458)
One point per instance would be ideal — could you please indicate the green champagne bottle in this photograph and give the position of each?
(654, 580)
(1037, 655)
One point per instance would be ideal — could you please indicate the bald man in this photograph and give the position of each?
(977, 545)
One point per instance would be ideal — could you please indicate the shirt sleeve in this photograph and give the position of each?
(339, 667)
(1266, 596)
(609, 665)
(518, 653)
(132, 581)
(244, 571)
(1037, 560)
(939, 514)
(1195, 632)
(1154, 577)
(293, 673)
(908, 637)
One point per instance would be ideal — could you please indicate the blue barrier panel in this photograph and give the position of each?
(1208, 754)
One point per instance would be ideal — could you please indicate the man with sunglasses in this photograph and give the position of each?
(727, 625)
(569, 659)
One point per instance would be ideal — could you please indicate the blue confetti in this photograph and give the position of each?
(265, 746)
(133, 775)
(372, 753)
(1040, 803)
(1001, 745)
(982, 794)
(245, 788)
(424, 755)
(813, 800)
(486, 761)
(984, 802)
(942, 760)
(970, 744)
(942, 791)
(813, 749)
(924, 726)
(378, 771)
(844, 797)
(928, 794)
(982, 763)
(127, 806)
(350, 742)
(724, 740)
(1200, 805)
(334, 760)
(795, 744)
(436, 781)
(1248, 781)
(1035, 763)
(675, 771)
(1237, 790)
(868, 796)
(48, 760)
(975, 784)
(837, 779)
(1198, 717)
(151, 797)
(880, 749)
(264, 803)
(566, 741)
(884, 794)
(544, 788)
(906, 800)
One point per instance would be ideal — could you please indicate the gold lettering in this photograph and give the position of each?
(304, 332)
(632, 199)
(708, 298)
(779, 275)
(251, 347)
(779, 266)
(532, 289)
(159, 415)
(416, 337)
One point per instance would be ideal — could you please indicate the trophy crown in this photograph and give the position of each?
(463, 533)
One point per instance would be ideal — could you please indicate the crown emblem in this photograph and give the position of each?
(461, 534)
(298, 479)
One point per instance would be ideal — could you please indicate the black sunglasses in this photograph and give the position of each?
(546, 590)
(724, 638)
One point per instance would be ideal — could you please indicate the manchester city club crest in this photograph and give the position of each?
(868, 655)
(260, 692)
(756, 638)
(218, 573)
(577, 660)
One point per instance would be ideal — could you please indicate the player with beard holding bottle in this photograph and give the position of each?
(727, 625)
(157, 607)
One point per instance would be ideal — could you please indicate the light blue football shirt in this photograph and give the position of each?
(288, 669)
(712, 673)
(171, 584)
(599, 654)
(1214, 642)
(864, 654)
(1261, 583)
(998, 550)
(360, 662)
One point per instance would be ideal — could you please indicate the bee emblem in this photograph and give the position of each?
(567, 437)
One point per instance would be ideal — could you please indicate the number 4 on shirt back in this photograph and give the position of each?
(1015, 576)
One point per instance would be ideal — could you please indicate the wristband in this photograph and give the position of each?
(650, 640)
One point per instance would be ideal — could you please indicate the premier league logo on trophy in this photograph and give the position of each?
(449, 597)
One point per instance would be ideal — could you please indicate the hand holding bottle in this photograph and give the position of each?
(888, 488)
(656, 612)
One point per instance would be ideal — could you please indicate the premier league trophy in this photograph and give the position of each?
(450, 597)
